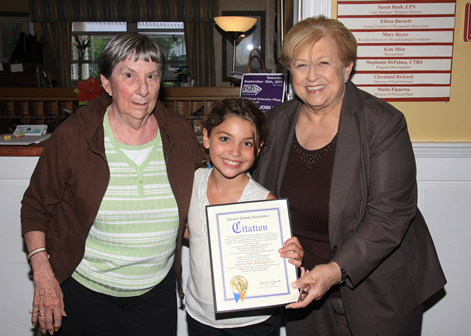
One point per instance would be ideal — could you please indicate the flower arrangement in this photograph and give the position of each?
(88, 90)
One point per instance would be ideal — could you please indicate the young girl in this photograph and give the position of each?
(233, 133)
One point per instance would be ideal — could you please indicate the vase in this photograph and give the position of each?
(80, 62)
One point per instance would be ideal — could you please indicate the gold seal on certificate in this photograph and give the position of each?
(246, 267)
(239, 286)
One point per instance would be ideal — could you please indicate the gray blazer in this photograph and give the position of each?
(376, 231)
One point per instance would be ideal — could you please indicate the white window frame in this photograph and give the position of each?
(103, 28)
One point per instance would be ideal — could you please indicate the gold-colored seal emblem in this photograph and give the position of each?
(239, 286)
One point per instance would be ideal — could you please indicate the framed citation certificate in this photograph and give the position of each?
(247, 270)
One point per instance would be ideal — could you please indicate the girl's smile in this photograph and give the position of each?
(231, 163)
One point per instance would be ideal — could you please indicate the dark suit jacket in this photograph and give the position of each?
(376, 231)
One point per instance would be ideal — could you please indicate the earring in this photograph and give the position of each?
(207, 160)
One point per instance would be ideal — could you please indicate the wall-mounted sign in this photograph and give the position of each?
(264, 89)
(467, 23)
(405, 49)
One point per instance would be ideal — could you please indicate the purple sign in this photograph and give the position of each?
(264, 89)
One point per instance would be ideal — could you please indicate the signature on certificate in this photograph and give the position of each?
(270, 283)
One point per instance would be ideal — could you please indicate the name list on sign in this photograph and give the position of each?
(404, 49)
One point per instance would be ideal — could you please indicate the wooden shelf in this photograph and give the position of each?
(187, 100)
(42, 105)
(34, 105)
(31, 117)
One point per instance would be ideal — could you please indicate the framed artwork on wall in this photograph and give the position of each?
(254, 38)
(12, 24)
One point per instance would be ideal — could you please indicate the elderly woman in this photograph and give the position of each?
(104, 214)
(345, 161)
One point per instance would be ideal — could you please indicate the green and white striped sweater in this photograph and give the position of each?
(131, 245)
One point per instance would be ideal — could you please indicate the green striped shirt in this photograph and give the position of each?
(131, 245)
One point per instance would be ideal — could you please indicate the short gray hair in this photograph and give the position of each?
(123, 46)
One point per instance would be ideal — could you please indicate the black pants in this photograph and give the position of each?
(270, 327)
(327, 317)
(91, 313)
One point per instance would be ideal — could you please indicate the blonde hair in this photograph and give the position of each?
(309, 31)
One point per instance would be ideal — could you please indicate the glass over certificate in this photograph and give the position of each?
(247, 270)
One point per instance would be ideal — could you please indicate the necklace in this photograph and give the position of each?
(311, 158)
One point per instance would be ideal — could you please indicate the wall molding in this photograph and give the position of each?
(441, 150)
(308, 8)
(444, 191)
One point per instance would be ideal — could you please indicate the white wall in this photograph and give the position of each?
(16, 288)
(444, 180)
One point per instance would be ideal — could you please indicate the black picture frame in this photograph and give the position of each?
(12, 24)
(255, 36)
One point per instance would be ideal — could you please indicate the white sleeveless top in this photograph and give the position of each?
(199, 295)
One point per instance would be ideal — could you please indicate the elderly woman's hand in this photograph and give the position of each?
(293, 250)
(48, 303)
(319, 280)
